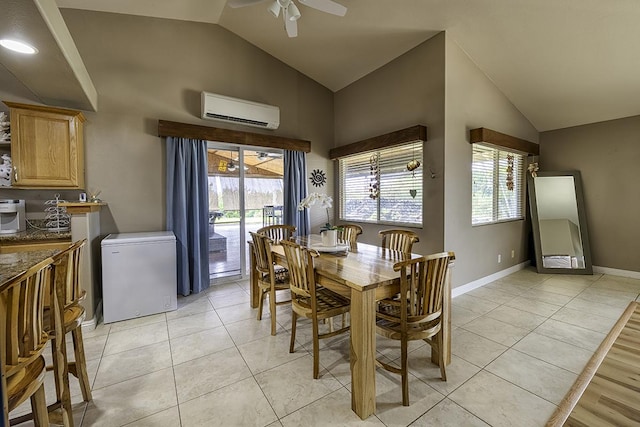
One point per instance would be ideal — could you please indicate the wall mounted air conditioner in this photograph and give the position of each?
(240, 111)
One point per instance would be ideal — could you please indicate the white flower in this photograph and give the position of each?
(316, 198)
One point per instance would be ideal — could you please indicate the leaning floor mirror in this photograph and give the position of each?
(559, 223)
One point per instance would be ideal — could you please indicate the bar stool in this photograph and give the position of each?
(23, 339)
(68, 294)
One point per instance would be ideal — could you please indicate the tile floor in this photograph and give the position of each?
(518, 345)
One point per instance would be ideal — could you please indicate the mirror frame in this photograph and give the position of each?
(582, 218)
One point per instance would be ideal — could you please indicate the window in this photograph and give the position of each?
(498, 185)
(376, 186)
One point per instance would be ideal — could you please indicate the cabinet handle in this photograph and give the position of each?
(15, 174)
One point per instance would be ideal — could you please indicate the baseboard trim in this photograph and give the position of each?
(616, 272)
(90, 324)
(459, 290)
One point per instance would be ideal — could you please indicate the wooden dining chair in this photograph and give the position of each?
(398, 240)
(271, 278)
(22, 341)
(310, 300)
(349, 233)
(278, 233)
(66, 273)
(416, 313)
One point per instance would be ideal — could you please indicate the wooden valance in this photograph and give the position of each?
(502, 140)
(207, 133)
(414, 133)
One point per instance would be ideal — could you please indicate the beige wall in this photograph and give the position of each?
(473, 101)
(436, 84)
(147, 69)
(403, 93)
(607, 155)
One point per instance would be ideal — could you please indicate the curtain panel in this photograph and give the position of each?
(188, 211)
(295, 189)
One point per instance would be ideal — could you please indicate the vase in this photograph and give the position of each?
(329, 238)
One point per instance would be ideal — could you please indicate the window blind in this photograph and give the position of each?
(498, 185)
(377, 187)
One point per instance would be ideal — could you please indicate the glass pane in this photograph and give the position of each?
(482, 188)
(401, 189)
(378, 187)
(263, 190)
(224, 214)
(510, 186)
(358, 184)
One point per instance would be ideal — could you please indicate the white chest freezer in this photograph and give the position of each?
(138, 274)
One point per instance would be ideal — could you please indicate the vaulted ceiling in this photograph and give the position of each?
(561, 62)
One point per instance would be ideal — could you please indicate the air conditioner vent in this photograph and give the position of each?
(237, 119)
(233, 110)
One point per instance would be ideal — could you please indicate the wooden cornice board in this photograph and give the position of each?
(607, 392)
(411, 134)
(209, 133)
(498, 139)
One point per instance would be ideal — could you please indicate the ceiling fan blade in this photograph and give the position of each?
(328, 6)
(242, 3)
(289, 25)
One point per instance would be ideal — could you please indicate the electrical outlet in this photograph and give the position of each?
(513, 253)
(499, 258)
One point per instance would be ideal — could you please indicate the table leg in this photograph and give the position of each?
(254, 295)
(363, 353)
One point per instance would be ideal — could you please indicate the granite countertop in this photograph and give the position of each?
(34, 234)
(17, 262)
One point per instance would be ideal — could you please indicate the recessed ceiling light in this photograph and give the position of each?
(17, 46)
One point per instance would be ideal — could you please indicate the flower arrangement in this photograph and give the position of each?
(323, 200)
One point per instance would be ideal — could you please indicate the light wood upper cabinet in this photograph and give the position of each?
(47, 146)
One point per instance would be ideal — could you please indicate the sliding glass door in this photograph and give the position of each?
(245, 193)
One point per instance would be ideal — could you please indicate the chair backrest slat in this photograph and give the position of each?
(422, 283)
(21, 315)
(398, 240)
(349, 233)
(278, 232)
(300, 266)
(262, 252)
(67, 273)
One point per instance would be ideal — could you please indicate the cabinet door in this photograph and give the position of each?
(47, 149)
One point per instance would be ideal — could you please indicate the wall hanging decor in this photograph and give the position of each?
(412, 165)
(374, 177)
(509, 178)
(318, 178)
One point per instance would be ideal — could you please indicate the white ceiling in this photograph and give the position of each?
(561, 62)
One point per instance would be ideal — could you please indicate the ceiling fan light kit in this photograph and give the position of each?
(291, 13)
(274, 8)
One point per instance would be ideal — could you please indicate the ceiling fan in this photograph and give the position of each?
(291, 13)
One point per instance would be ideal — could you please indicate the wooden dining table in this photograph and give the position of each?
(364, 274)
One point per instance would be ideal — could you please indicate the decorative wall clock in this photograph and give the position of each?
(318, 178)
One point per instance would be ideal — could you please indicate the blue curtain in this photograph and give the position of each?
(295, 189)
(188, 211)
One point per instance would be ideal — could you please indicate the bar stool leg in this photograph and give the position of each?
(80, 365)
(39, 405)
(61, 373)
